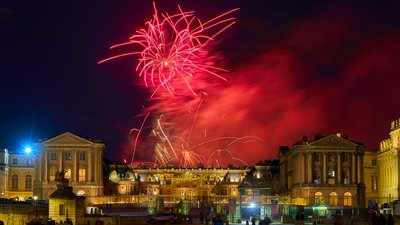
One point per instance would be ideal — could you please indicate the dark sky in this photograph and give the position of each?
(296, 68)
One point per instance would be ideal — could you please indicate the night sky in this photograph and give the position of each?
(295, 68)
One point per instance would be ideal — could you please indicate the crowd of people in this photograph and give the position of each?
(382, 220)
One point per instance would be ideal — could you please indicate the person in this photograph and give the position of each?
(267, 220)
(297, 222)
(390, 220)
(314, 218)
(381, 219)
(253, 221)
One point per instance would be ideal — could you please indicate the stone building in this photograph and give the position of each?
(16, 174)
(371, 174)
(326, 172)
(388, 166)
(81, 158)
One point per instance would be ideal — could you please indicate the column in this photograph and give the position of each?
(45, 166)
(324, 168)
(95, 166)
(75, 169)
(60, 162)
(353, 168)
(90, 165)
(339, 169)
(309, 168)
(302, 168)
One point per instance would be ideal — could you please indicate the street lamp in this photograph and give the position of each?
(34, 207)
(28, 150)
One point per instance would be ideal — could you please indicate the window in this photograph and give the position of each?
(331, 176)
(82, 155)
(28, 161)
(346, 176)
(331, 157)
(317, 176)
(52, 174)
(374, 162)
(346, 157)
(15, 161)
(68, 156)
(318, 198)
(28, 182)
(347, 199)
(14, 182)
(61, 209)
(82, 175)
(316, 157)
(333, 199)
(53, 155)
(374, 183)
(67, 174)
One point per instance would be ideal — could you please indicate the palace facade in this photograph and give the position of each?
(326, 173)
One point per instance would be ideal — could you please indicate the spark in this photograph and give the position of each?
(137, 136)
(173, 49)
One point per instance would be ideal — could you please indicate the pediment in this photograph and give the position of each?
(334, 141)
(67, 138)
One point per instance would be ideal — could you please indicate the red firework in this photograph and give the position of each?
(174, 48)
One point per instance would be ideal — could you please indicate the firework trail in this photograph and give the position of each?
(176, 151)
(174, 50)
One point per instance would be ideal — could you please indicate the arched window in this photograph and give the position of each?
(28, 182)
(318, 198)
(333, 199)
(81, 193)
(347, 200)
(14, 182)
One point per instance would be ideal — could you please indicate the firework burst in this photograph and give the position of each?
(174, 50)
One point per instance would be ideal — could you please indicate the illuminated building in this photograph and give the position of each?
(16, 174)
(388, 166)
(81, 158)
(371, 174)
(325, 173)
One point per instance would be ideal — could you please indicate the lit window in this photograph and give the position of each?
(318, 198)
(15, 161)
(82, 175)
(14, 182)
(347, 199)
(82, 156)
(68, 156)
(61, 209)
(52, 174)
(28, 182)
(67, 174)
(53, 155)
(333, 199)
(331, 176)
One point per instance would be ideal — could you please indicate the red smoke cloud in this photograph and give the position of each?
(337, 72)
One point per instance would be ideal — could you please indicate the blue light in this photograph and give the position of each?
(28, 150)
